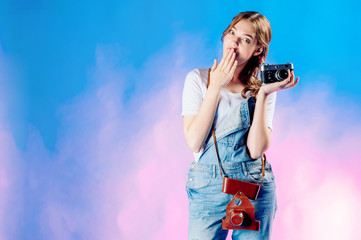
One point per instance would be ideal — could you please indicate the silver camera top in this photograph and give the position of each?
(266, 66)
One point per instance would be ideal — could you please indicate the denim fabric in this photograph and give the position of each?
(207, 202)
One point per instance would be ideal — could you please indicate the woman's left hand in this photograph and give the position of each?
(289, 82)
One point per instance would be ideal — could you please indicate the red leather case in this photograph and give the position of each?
(247, 209)
(233, 186)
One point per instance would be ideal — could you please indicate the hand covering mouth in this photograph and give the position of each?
(235, 50)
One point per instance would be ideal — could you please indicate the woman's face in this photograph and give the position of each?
(242, 38)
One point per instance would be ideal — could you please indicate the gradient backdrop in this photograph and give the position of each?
(91, 135)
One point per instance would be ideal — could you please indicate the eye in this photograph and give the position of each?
(246, 40)
(231, 32)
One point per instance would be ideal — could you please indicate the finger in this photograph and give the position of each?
(224, 58)
(284, 83)
(292, 84)
(226, 61)
(286, 80)
(295, 83)
(230, 63)
(214, 65)
(289, 79)
(292, 78)
(234, 66)
(292, 74)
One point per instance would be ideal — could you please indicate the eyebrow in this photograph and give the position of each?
(244, 33)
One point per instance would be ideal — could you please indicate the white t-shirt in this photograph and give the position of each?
(194, 90)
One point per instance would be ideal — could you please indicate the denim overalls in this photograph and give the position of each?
(207, 202)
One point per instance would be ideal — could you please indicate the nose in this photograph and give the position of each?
(235, 41)
(234, 44)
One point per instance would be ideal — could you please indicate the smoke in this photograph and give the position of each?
(10, 167)
(120, 167)
(317, 170)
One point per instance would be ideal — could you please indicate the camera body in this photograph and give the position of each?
(271, 73)
(240, 213)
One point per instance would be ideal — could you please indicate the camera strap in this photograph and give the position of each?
(221, 170)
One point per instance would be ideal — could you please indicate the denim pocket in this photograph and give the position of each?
(254, 173)
(198, 179)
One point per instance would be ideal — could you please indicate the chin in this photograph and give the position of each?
(241, 62)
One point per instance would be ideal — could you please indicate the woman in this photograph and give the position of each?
(241, 139)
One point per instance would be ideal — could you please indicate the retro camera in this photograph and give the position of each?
(271, 73)
(240, 213)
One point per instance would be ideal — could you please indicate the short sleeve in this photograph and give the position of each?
(271, 103)
(192, 93)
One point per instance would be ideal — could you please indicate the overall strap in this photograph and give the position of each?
(263, 158)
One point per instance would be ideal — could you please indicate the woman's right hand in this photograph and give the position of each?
(222, 74)
(197, 127)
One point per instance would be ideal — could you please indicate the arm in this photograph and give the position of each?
(197, 127)
(259, 136)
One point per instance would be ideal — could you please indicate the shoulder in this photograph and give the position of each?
(198, 74)
(197, 78)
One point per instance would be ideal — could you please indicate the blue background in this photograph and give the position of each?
(51, 46)
(50, 58)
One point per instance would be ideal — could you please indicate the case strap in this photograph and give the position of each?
(221, 170)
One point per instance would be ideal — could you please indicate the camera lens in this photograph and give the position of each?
(281, 74)
(237, 218)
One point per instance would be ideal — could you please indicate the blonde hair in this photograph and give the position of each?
(262, 26)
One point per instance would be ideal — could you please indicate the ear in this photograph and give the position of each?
(258, 51)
